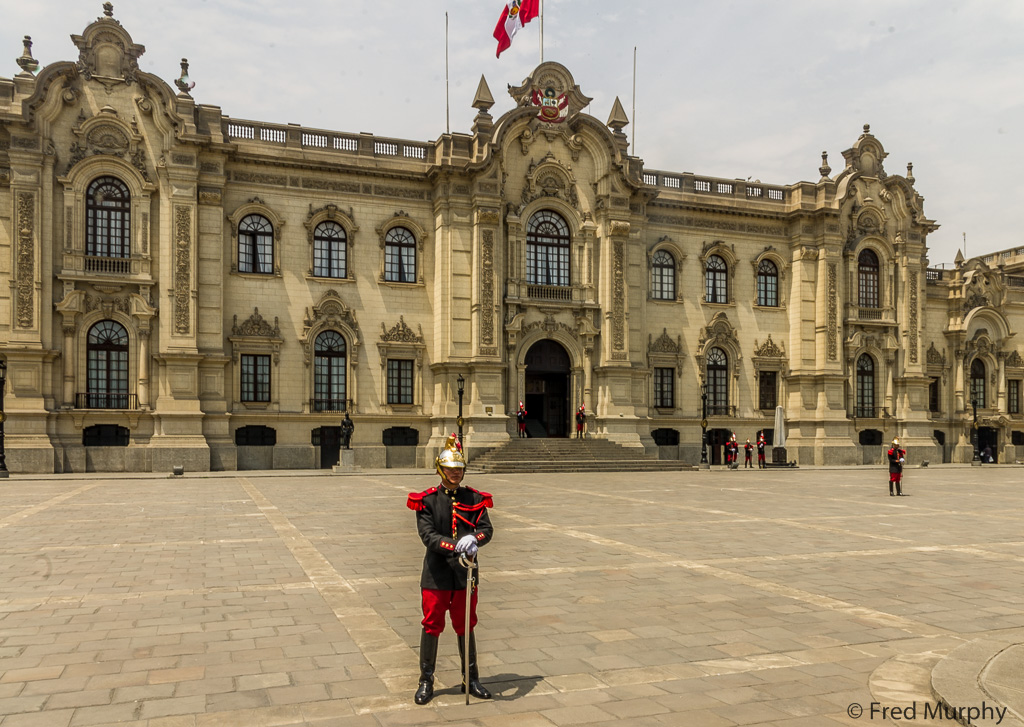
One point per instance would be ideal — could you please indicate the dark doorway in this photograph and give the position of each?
(716, 441)
(988, 444)
(329, 440)
(547, 390)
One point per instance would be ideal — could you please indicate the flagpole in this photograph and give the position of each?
(634, 101)
(447, 102)
(542, 31)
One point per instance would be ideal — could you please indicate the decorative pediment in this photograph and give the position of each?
(1014, 360)
(768, 349)
(331, 310)
(665, 344)
(400, 333)
(256, 326)
(107, 135)
(551, 80)
(106, 52)
(548, 178)
(934, 357)
(719, 331)
(866, 155)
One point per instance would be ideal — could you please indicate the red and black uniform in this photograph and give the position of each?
(443, 516)
(521, 421)
(581, 419)
(748, 448)
(896, 468)
(760, 455)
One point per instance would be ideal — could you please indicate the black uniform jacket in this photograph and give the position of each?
(442, 517)
(894, 459)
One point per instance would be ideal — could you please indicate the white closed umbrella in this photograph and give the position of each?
(780, 427)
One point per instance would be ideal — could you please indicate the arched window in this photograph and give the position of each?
(663, 276)
(329, 372)
(767, 283)
(400, 256)
(718, 381)
(107, 366)
(330, 251)
(107, 218)
(255, 245)
(978, 382)
(866, 386)
(716, 277)
(547, 249)
(867, 276)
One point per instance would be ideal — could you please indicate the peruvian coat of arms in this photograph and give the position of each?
(554, 108)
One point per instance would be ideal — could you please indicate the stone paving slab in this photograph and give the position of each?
(705, 598)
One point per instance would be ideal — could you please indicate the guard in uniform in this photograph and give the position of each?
(748, 448)
(451, 520)
(897, 457)
(761, 465)
(581, 419)
(521, 420)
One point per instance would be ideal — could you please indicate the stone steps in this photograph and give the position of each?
(524, 456)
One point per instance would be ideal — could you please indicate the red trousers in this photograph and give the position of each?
(437, 603)
(895, 477)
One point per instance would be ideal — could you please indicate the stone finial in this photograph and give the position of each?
(108, 9)
(617, 120)
(910, 172)
(867, 129)
(184, 83)
(825, 169)
(959, 259)
(26, 62)
(483, 100)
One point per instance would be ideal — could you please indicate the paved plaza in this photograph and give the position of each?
(697, 598)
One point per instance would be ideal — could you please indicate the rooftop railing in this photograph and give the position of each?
(715, 186)
(297, 136)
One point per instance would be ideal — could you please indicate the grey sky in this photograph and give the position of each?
(730, 89)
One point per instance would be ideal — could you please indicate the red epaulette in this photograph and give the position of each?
(415, 501)
(488, 501)
(890, 452)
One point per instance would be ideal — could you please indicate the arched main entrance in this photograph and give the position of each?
(547, 390)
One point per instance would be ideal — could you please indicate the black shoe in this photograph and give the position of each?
(477, 689)
(428, 658)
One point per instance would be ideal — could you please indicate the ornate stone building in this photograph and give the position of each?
(188, 288)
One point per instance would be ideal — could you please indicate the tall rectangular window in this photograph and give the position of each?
(1013, 396)
(399, 381)
(933, 397)
(255, 378)
(767, 388)
(664, 391)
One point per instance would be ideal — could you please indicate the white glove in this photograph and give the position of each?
(465, 543)
(902, 460)
(472, 550)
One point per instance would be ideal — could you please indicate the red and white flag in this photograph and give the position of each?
(516, 14)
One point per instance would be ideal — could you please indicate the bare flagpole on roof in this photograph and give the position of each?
(634, 101)
(541, 31)
(447, 102)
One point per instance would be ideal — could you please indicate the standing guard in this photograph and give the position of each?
(761, 464)
(451, 521)
(897, 457)
(581, 420)
(521, 420)
(748, 448)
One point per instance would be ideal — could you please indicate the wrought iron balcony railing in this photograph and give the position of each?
(92, 400)
(328, 405)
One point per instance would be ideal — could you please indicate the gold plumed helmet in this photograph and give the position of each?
(450, 455)
(895, 440)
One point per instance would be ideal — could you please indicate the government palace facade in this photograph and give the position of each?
(183, 288)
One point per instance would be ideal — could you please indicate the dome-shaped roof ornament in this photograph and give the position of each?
(183, 82)
(824, 169)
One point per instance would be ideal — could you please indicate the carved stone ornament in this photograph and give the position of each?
(106, 52)
(768, 349)
(401, 333)
(665, 344)
(549, 178)
(934, 357)
(182, 269)
(1014, 360)
(487, 289)
(256, 326)
(106, 135)
(831, 307)
(975, 300)
(25, 260)
(719, 332)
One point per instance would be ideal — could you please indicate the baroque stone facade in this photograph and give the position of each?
(533, 256)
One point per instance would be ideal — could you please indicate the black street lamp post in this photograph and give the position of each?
(704, 427)
(462, 388)
(3, 416)
(974, 433)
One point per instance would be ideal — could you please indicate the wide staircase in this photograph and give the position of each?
(569, 455)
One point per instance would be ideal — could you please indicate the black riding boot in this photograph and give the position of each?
(891, 493)
(428, 658)
(475, 687)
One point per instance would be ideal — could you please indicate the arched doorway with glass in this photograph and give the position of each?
(546, 390)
